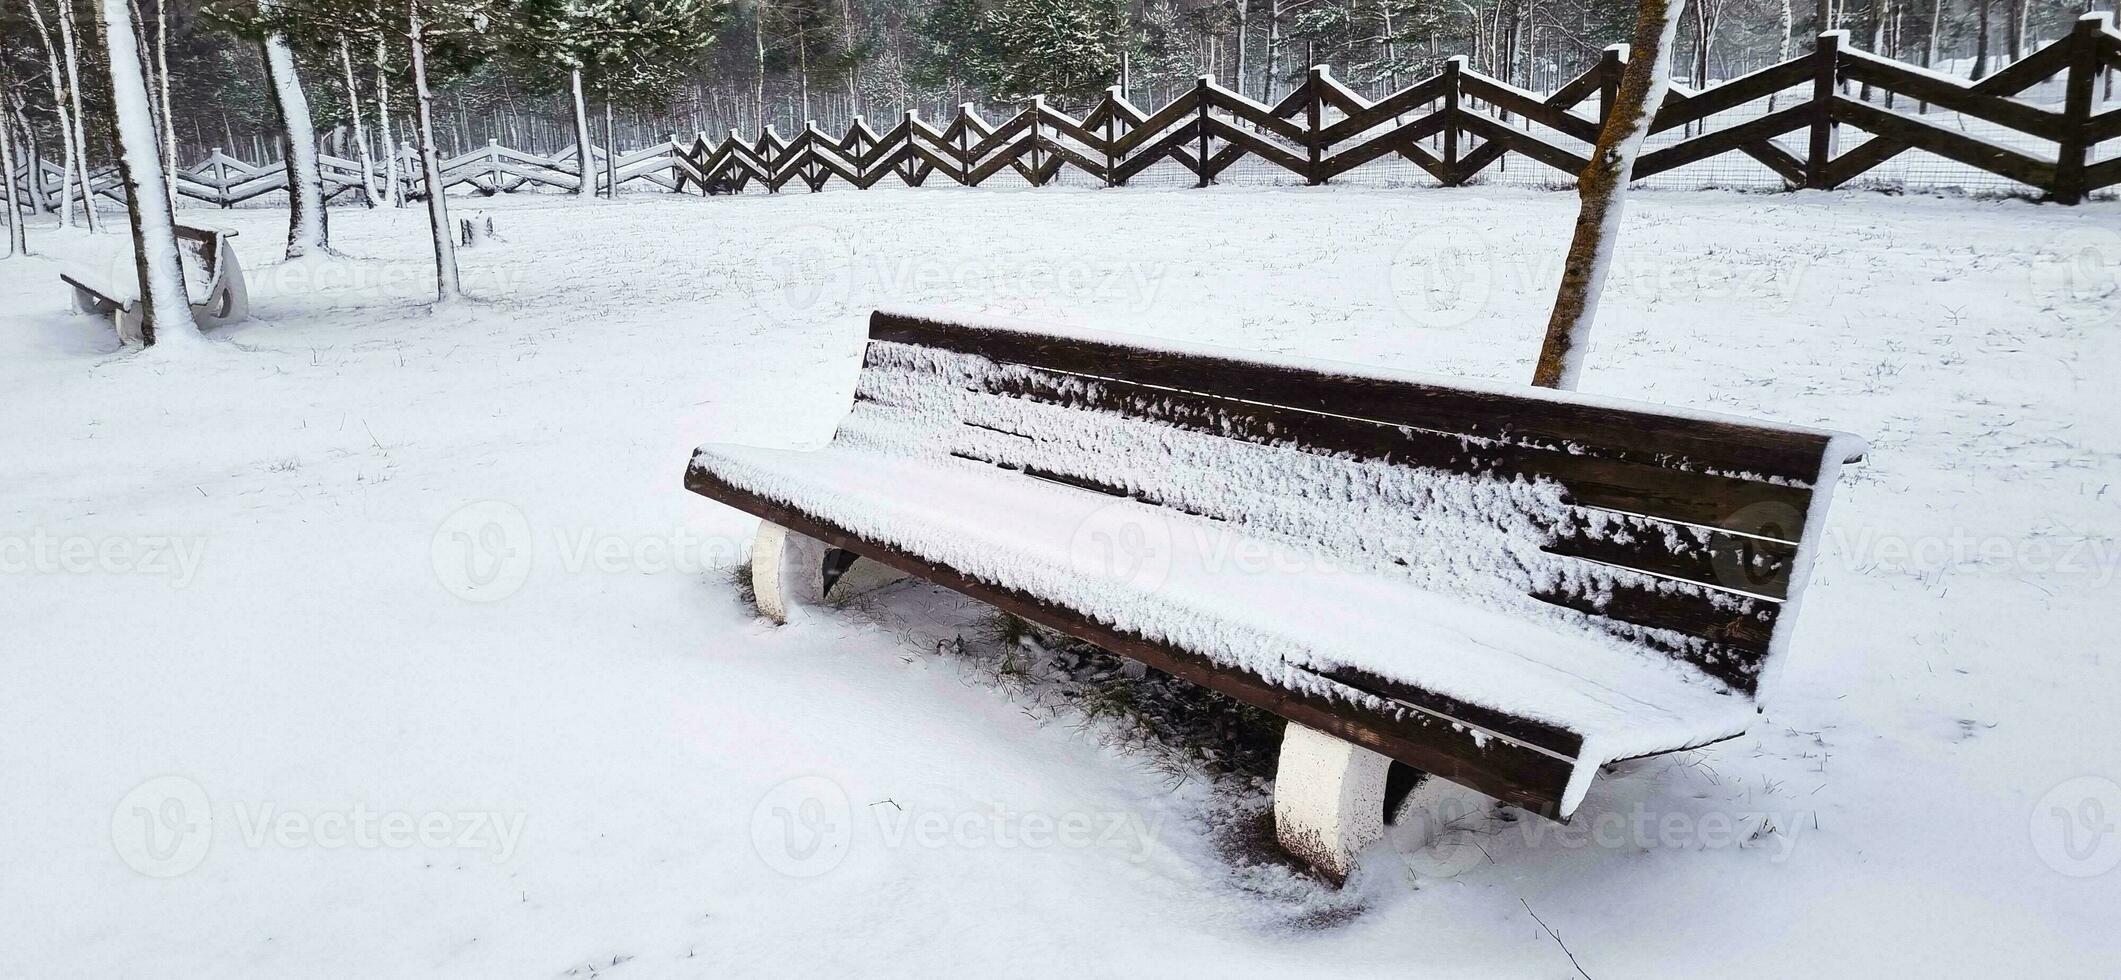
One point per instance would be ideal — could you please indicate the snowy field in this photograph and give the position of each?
(384, 642)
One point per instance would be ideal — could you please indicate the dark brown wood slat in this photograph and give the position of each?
(1995, 159)
(1236, 106)
(1678, 496)
(1062, 152)
(2028, 71)
(1016, 125)
(1680, 111)
(2104, 174)
(1184, 107)
(1401, 103)
(1642, 435)
(1503, 97)
(1278, 156)
(1578, 89)
(1859, 161)
(1422, 158)
(1500, 767)
(1172, 146)
(1730, 635)
(2102, 127)
(1382, 144)
(1522, 142)
(1998, 109)
(1756, 131)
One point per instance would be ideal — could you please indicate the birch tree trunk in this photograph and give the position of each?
(165, 308)
(17, 239)
(80, 129)
(54, 61)
(169, 118)
(306, 230)
(611, 153)
(446, 285)
(588, 186)
(383, 140)
(1603, 189)
(360, 132)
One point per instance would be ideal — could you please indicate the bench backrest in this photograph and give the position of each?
(206, 243)
(1688, 535)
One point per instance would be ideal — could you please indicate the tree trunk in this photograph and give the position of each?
(758, 40)
(360, 132)
(446, 285)
(165, 308)
(1980, 40)
(611, 153)
(169, 114)
(383, 140)
(1603, 190)
(587, 187)
(55, 61)
(80, 120)
(17, 240)
(306, 229)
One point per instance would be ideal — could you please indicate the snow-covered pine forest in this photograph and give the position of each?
(404, 575)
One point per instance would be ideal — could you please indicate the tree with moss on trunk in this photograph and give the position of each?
(1603, 189)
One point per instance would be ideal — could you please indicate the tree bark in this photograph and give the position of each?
(383, 140)
(1603, 190)
(169, 114)
(611, 153)
(165, 307)
(56, 62)
(80, 125)
(447, 287)
(306, 229)
(1980, 40)
(588, 186)
(360, 132)
(17, 239)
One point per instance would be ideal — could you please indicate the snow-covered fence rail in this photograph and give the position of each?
(1458, 124)
(225, 181)
(2047, 125)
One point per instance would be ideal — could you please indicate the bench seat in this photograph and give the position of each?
(1199, 585)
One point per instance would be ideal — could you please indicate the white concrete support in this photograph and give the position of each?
(788, 573)
(1329, 799)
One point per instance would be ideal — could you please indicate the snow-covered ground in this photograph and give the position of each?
(380, 641)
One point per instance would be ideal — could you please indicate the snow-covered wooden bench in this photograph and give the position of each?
(211, 272)
(1506, 587)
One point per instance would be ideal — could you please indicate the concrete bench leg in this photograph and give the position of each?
(1329, 799)
(790, 570)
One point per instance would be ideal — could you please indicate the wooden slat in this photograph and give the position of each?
(1432, 741)
(1711, 445)
(1991, 157)
(1682, 110)
(1511, 100)
(1522, 142)
(1948, 94)
(1753, 134)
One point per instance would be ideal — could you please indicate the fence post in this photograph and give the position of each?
(1200, 97)
(1611, 65)
(1826, 67)
(1038, 156)
(964, 142)
(2084, 71)
(1452, 69)
(1112, 98)
(1315, 124)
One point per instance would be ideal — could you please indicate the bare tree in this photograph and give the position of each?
(165, 308)
(1603, 191)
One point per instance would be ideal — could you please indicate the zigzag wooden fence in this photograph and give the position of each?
(1787, 124)
(1458, 123)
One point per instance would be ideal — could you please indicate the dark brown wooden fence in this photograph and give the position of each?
(1458, 123)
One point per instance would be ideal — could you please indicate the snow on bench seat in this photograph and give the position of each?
(1253, 602)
